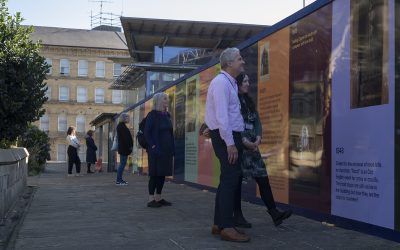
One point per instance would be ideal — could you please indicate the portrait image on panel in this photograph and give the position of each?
(306, 143)
(264, 62)
(369, 53)
(191, 104)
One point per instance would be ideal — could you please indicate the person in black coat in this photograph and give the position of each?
(91, 149)
(125, 145)
(161, 148)
(253, 165)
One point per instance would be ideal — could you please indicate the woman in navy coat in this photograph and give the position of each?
(161, 148)
(91, 149)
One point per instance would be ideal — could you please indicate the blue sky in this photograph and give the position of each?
(76, 13)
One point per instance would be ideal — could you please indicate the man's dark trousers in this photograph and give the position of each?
(228, 180)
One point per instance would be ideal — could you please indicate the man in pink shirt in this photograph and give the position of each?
(225, 122)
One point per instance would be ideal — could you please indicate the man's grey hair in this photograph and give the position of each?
(228, 55)
(124, 117)
(157, 101)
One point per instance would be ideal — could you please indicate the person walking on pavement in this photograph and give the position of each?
(72, 151)
(161, 148)
(226, 124)
(91, 149)
(125, 146)
(253, 165)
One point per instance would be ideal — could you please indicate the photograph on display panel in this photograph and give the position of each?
(369, 53)
(264, 62)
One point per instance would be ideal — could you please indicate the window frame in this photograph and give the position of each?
(85, 74)
(59, 93)
(103, 69)
(58, 123)
(120, 70)
(77, 94)
(77, 120)
(61, 66)
(112, 97)
(95, 95)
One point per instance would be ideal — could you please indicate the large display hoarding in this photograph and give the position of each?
(327, 90)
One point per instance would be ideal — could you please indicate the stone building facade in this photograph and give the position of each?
(82, 71)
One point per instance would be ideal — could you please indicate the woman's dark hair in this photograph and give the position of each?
(90, 133)
(245, 100)
(70, 129)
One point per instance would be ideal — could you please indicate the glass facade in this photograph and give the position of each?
(181, 55)
(155, 80)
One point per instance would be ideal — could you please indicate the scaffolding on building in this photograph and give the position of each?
(104, 19)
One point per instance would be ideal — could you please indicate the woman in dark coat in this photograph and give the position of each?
(253, 165)
(91, 149)
(161, 148)
(125, 146)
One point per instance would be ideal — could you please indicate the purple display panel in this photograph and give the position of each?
(362, 69)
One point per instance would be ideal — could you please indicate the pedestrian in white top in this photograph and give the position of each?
(73, 146)
(226, 124)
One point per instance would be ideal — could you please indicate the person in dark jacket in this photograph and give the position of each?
(253, 165)
(91, 149)
(161, 148)
(125, 145)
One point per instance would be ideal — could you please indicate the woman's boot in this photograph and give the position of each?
(278, 216)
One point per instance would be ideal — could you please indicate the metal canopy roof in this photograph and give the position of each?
(102, 119)
(142, 34)
(130, 78)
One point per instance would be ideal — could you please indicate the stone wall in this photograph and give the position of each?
(13, 175)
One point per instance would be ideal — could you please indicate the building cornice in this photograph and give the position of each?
(83, 51)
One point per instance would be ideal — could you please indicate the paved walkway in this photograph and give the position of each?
(90, 212)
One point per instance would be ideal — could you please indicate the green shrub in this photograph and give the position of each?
(37, 144)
